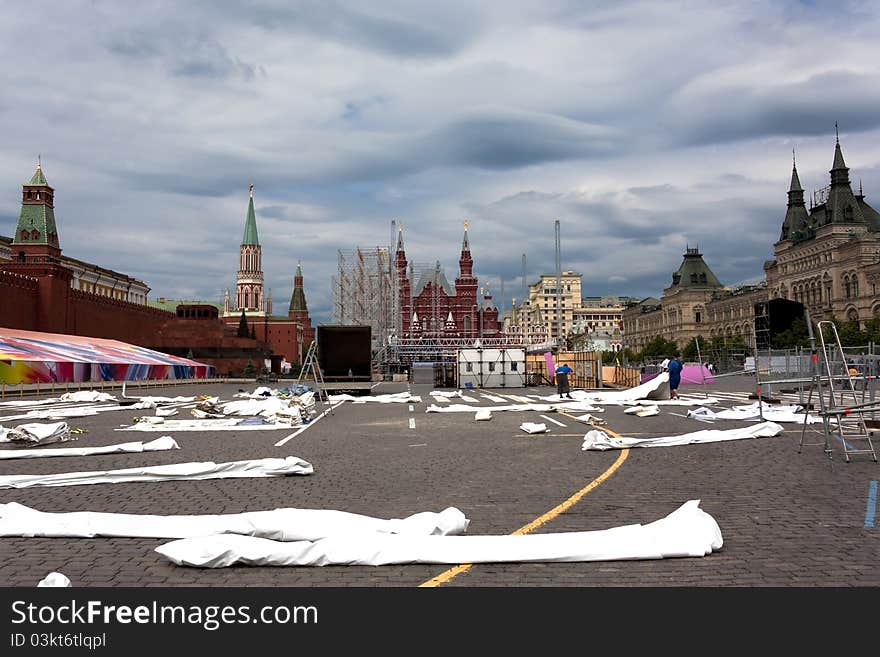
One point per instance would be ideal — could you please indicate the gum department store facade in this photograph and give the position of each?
(827, 257)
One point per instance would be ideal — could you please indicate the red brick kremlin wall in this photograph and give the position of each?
(18, 300)
(46, 303)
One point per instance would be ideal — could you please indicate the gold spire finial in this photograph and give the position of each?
(252, 191)
(400, 227)
(466, 224)
(39, 162)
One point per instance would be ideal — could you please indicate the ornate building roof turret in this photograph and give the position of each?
(840, 206)
(796, 220)
(694, 272)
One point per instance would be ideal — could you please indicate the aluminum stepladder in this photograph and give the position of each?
(311, 370)
(842, 415)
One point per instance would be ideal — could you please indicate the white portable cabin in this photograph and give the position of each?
(491, 368)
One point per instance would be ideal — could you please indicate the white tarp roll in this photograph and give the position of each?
(483, 414)
(686, 532)
(158, 445)
(278, 524)
(270, 467)
(36, 433)
(538, 408)
(600, 440)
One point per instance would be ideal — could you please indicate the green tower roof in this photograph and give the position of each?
(298, 298)
(38, 178)
(37, 217)
(250, 226)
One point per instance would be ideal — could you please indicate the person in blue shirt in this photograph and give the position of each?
(674, 368)
(562, 386)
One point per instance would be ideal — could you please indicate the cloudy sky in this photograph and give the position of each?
(642, 127)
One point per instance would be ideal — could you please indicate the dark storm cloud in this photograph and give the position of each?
(507, 140)
(785, 109)
(397, 29)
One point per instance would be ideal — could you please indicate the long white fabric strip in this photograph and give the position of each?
(648, 390)
(390, 398)
(754, 412)
(216, 424)
(540, 408)
(687, 532)
(278, 524)
(75, 411)
(158, 445)
(600, 440)
(271, 467)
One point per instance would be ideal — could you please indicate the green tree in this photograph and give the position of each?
(851, 334)
(690, 349)
(658, 348)
(872, 330)
(242, 326)
(249, 370)
(795, 336)
(253, 332)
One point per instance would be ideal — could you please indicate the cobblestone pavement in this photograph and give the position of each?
(787, 518)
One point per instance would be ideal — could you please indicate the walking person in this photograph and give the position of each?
(675, 366)
(562, 386)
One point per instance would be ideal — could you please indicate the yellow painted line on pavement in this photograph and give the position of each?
(448, 575)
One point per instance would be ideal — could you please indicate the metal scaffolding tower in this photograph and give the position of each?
(365, 291)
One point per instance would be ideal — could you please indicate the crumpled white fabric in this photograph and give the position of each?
(590, 419)
(285, 524)
(686, 532)
(601, 441)
(643, 411)
(771, 412)
(37, 433)
(261, 392)
(269, 467)
(446, 394)
(54, 579)
(252, 407)
(160, 444)
(483, 414)
(533, 427)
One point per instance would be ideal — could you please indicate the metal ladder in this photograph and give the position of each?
(312, 368)
(843, 414)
